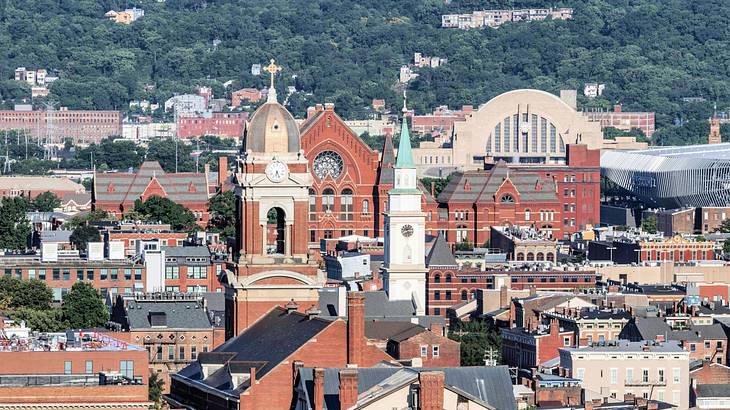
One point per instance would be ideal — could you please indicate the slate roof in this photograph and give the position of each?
(264, 345)
(396, 331)
(650, 327)
(713, 390)
(180, 314)
(440, 254)
(56, 236)
(186, 251)
(40, 184)
(483, 185)
(126, 187)
(387, 161)
(491, 386)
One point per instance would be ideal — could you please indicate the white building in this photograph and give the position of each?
(593, 90)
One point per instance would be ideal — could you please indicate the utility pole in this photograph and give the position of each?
(6, 166)
(492, 361)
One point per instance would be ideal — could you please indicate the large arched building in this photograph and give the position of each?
(525, 126)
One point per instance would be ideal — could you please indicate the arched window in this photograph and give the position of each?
(507, 199)
(312, 205)
(365, 207)
(463, 294)
(437, 278)
(530, 256)
(527, 214)
(346, 204)
(520, 256)
(448, 278)
(462, 234)
(328, 200)
(551, 257)
(540, 256)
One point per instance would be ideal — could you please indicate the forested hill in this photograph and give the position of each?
(650, 53)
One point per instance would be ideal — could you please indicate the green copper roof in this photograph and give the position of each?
(405, 157)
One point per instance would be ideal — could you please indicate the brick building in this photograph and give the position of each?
(556, 200)
(174, 328)
(675, 249)
(251, 95)
(527, 349)
(247, 373)
(116, 192)
(591, 325)
(32, 186)
(72, 370)
(82, 126)
(625, 121)
(413, 344)
(220, 124)
(440, 122)
(131, 235)
(192, 269)
(524, 244)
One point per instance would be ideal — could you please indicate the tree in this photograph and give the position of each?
(169, 152)
(157, 209)
(222, 208)
(46, 202)
(156, 387)
(438, 184)
(477, 340)
(726, 246)
(93, 216)
(84, 234)
(649, 224)
(724, 226)
(83, 307)
(14, 226)
(16, 293)
(50, 320)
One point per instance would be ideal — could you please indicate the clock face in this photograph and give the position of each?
(406, 230)
(277, 171)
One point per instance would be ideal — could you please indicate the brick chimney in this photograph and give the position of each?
(311, 111)
(222, 170)
(436, 329)
(348, 388)
(355, 327)
(503, 297)
(318, 389)
(617, 108)
(432, 390)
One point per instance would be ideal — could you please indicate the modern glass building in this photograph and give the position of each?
(673, 177)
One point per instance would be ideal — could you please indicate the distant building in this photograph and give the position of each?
(82, 126)
(221, 124)
(32, 186)
(531, 348)
(252, 95)
(127, 16)
(419, 60)
(625, 121)
(144, 132)
(593, 90)
(659, 371)
(714, 137)
(116, 192)
(74, 370)
(186, 104)
(347, 265)
(256, 69)
(495, 18)
(406, 74)
(674, 249)
(378, 105)
(524, 244)
(440, 122)
(38, 92)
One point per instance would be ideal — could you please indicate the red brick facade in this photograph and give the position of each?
(221, 124)
(80, 125)
(434, 350)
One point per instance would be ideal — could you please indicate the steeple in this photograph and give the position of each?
(272, 69)
(387, 160)
(405, 156)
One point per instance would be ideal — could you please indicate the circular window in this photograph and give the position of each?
(507, 199)
(328, 163)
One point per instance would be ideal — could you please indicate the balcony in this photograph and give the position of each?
(645, 383)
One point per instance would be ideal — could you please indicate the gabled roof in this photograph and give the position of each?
(482, 186)
(126, 187)
(489, 386)
(387, 161)
(440, 254)
(264, 345)
(386, 330)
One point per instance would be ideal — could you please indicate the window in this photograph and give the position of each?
(102, 274)
(424, 351)
(448, 295)
(114, 274)
(675, 397)
(614, 376)
(56, 274)
(127, 274)
(158, 355)
(79, 274)
(629, 375)
(174, 289)
(437, 278)
(31, 273)
(580, 373)
(181, 353)
(89, 367)
(463, 295)
(435, 351)
(365, 207)
(138, 274)
(692, 347)
(566, 341)
(507, 199)
(436, 311)
(448, 278)
(126, 368)
(437, 295)
(197, 272)
(67, 367)
(328, 200)
(66, 274)
(170, 352)
(346, 205)
(661, 375)
(676, 375)
(193, 352)
(645, 375)
(90, 274)
(172, 272)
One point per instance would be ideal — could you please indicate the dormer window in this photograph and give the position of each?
(507, 199)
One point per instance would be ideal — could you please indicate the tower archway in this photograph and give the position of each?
(276, 231)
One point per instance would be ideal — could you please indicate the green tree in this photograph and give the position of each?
(14, 226)
(50, 320)
(222, 208)
(464, 246)
(84, 234)
(83, 307)
(155, 391)
(724, 226)
(97, 215)
(438, 184)
(16, 293)
(477, 340)
(163, 210)
(726, 246)
(171, 154)
(649, 224)
(46, 202)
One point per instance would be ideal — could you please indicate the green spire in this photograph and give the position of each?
(405, 157)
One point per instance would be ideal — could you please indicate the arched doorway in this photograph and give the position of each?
(275, 231)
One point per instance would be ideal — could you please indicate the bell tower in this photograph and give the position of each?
(404, 269)
(271, 262)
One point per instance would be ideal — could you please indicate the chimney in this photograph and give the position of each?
(503, 297)
(348, 388)
(310, 112)
(355, 327)
(433, 189)
(318, 389)
(436, 329)
(252, 380)
(431, 396)
(313, 312)
(222, 170)
(617, 108)
(652, 405)
(588, 405)
(554, 327)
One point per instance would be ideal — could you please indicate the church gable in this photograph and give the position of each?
(154, 188)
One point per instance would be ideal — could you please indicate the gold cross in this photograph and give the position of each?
(272, 69)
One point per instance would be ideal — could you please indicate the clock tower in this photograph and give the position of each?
(404, 270)
(271, 263)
